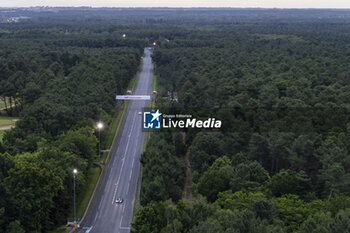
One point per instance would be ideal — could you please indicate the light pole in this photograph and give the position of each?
(99, 126)
(75, 171)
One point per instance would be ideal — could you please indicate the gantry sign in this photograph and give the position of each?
(133, 97)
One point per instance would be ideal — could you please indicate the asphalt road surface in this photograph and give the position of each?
(123, 170)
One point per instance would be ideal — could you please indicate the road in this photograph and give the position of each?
(123, 170)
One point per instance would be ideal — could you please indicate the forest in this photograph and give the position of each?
(278, 79)
(281, 162)
(59, 81)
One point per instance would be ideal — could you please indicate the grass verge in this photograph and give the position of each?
(112, 128)
(154, 84)
(120, 118)
(85, 194)
(60, 229)
(6, 121)
(139, 182)
(115, 122)
(1, 134)
(137, 198)
(154, 87)
(132, 83)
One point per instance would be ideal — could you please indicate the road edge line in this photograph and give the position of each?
(147, 138)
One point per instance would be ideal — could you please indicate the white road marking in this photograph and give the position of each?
(133, 201)
(123, 208)
(95, 217)
(121, 219)
(126, 150)
(99, 206)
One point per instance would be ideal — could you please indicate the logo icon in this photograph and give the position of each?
(151, 120)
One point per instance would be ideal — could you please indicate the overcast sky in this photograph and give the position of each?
(182, 3)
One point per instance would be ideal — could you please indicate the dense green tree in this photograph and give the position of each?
(163, 170)
(237, 200)
(81, 142)
(200, 210)
(149, 219)
(249, 177)
(288, 181)
(33, 189)
(337, 202)
(216, 179)
(15, 227)
(208, 226)
(341, 222)
(6, 162)
(204, 150)
(291, 210)
(263, 209)
(31, 92)
(332, 154)
(317, 224)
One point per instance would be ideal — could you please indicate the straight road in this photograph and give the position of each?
(123, 170)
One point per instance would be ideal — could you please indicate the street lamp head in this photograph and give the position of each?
(75, 171)
(100, 125)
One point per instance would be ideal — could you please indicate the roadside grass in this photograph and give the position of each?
(60, 229)
(112, 128)
(139, 182)
(138, 190)
(132, 83)
(154, 83)
(154, 87)
(2, 132)
(83, 197)
(6, 121)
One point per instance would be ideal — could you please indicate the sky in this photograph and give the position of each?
(182, 3)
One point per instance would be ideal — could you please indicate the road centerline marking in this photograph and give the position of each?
(123, 160)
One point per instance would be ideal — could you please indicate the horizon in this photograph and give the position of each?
(179, 7)
(266, 4)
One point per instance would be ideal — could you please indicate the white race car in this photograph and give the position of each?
(119, 200)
